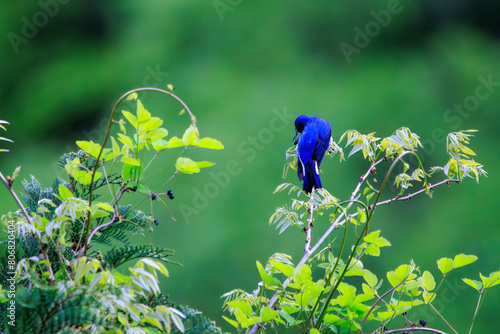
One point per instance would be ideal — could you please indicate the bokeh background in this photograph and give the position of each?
(247, 69)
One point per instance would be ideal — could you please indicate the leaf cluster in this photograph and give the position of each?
(65, 284)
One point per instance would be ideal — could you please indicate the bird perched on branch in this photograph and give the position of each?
(315, 137)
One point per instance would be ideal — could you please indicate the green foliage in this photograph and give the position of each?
(331, 291)
(63, 287)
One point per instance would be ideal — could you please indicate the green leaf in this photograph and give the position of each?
(267, 314)
(157, 134)
(115, 146)
(105, 206)
(403, 271)
(370, 238)
(463, 260)
(285, 269)
(142, 114)
(302, 274)
(314, 331)
(445, 265)
(490, 281)
(242, 305)
(210, 143)
(131, 118)
(130, 161)
(132, 96)
(90, 147)
(127, 172)
(126, 140)
(473, 283)
(385, 315)
(370, 278)
(190, 136)
(186, 166)
(153, 124)
(231, 321)
(428, 281)
(174, 142)
(266, 278)
(160, 145)
(64, 192)
(204, 164)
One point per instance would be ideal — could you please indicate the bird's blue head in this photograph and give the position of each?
(300, 122)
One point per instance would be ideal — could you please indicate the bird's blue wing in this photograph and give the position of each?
(324, 133)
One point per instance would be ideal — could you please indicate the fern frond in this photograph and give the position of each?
(116, 257)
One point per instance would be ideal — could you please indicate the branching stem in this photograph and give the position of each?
(339, 222)
(99, 156)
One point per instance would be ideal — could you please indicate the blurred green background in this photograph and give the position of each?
(370, 66)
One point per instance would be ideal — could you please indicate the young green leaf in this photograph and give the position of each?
(186, 166)
(157, 134)
(445, 265)
(267, 314)
(213, 144)
(116, 148)
(142, 114)
(302, 274)
(463, 260)
(64, 192)
(131, 118)
(174, 142)
(428, 281)
(266, 278)
(190, 136)
(90, 147)
(490, 281)
(285, 269)
(204, 164)
(473, 283)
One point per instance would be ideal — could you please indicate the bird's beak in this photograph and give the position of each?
(295, 140)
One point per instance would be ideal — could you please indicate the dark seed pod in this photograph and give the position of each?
(422, 322)
(170, 194)
(153, 196)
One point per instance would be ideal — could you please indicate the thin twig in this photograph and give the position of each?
(310, 218)
(479, 302)
(442, 318)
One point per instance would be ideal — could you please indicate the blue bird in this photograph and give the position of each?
(315, 137)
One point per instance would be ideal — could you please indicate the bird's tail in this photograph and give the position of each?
(311, 177)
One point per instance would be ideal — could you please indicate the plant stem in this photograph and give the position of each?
(110, 123)
(310, 218)
(478, 306)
